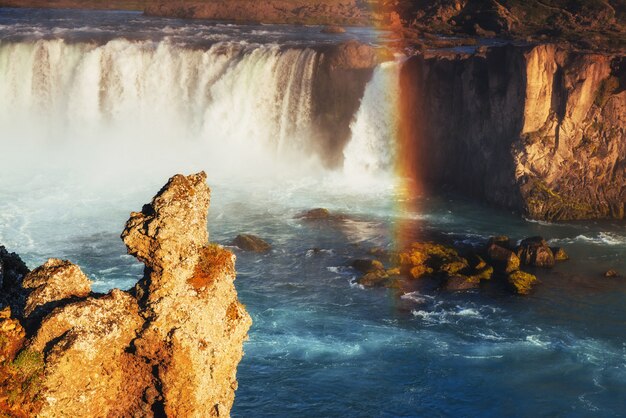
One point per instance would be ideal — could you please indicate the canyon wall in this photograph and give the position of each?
(537, 129)
(168, 347)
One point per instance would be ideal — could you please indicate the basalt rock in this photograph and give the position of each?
(248, 242)
(169, 347)
(535, 251)
(537, 129)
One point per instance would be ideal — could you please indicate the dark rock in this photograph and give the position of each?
(503, 259)
(559, 254)
(501, 240)
(333, 29)
(248, 242)
(377, 278)
(367, 265)
(459, 282)
(535, 251)
(318, 213)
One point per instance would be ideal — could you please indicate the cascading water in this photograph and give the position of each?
(227, 102)
(372, 148)
(97, 109)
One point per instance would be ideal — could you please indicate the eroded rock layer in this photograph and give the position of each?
(541, 129)
(169, 347)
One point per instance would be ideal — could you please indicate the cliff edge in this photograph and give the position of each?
(168, 347)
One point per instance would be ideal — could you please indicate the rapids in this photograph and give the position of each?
(97, 109)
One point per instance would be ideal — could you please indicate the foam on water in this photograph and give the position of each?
(117, 116)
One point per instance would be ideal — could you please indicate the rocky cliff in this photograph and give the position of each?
(320, 12)
(538, 129)
(169, 347)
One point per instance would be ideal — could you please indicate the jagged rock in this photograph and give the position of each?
(12, 269)
(250, 242)
(559, 254)
(170, 347)
(521, 282)
(459, 282)
(52, 282)
(171, 229)
(503, 259)
(12, 272)
(534, 251)
(195, 326)
(88, 371)
(375, 278)
(367, 265)
(501, 240)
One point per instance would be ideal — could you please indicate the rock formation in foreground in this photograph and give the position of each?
(170, 346)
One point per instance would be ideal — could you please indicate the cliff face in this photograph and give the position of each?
(171, 346)
(342, 12)
(541, 130)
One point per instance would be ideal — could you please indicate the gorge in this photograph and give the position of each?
(453, 142)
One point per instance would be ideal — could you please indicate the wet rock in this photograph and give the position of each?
(367, 265)
(501, 240)
(333, 29)
(376, 278)
(611, 274)
(460, 282)
(318, 213)
(253, 243)
(535, 251)
(521, 282)
(503, 259)
(352, 55)
(12, 272)
(559, 254)
(52, 282)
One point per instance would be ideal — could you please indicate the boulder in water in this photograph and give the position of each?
(534, 251)
(559, 254)
(521, 282)
(367, 265)
(315, 214)
(460, 282)
(248, 242)
(611, 274)
(333, 29)
(503, 258)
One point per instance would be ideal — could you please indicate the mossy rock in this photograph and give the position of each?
(367, 265)
(484, 274)
(460, 282)
(377, 278)
(521, 282)
(503, 259)
(559, 254)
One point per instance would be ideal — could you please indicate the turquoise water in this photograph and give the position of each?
(322, 346)
(75, 164)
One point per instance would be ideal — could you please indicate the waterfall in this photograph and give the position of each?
(371, 150)
(139, 99)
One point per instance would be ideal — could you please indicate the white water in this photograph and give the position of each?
(147, 104)
(372, 149)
